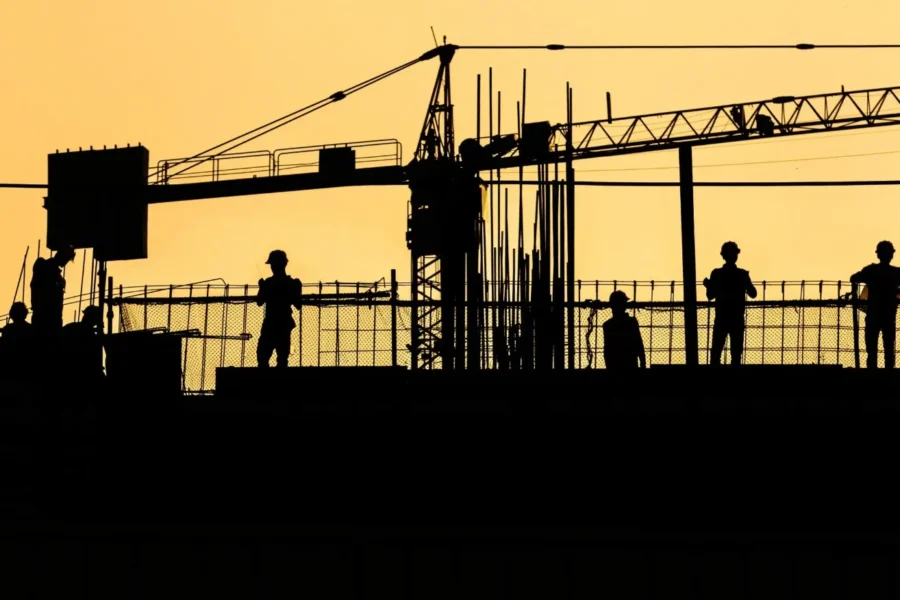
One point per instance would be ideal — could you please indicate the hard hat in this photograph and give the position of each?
(884, 246)
(67, 250)
(19, 310)
(730, 246)
(618, 297)
(277, 257)
(91, 313)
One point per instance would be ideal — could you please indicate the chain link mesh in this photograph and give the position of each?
(357, 331)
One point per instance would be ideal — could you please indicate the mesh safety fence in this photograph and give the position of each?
(351, 325)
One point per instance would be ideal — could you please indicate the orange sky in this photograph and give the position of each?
(182, 76)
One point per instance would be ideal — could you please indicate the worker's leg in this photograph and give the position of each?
(736, 333)
(264, 350)
(718, 341)
(871, 337)
(283, 348)
(889, 333)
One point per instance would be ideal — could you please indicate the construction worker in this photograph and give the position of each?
(623, 347)
(18, 328)
(883, 282)
(16, 343)
(48, 289)
(83, 344)
(279, 292)
(728, 286)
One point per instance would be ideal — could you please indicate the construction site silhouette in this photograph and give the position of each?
(150, 437)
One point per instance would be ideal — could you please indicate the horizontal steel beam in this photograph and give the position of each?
(391, 175)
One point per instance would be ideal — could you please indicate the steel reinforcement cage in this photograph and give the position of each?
(363, 324)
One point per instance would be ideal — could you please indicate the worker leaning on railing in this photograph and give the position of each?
(882, 282)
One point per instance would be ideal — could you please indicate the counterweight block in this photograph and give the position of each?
(96, 200)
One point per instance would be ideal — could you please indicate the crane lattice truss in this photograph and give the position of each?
(778, 117)
(781, 116)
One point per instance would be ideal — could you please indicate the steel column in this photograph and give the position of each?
(688, 255)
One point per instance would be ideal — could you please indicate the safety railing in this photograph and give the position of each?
(362, 324)
(266, 163)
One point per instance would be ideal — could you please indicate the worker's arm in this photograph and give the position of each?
(710, 284)
(639, 342)
(751, 289)
(260, 294)
(859, 277)
(298, 294)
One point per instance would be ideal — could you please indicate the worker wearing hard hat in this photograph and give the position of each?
(48, 289)
(623, 347)
(279, 292)
(883, 284)
(728, 286)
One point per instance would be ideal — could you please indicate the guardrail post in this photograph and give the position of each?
(393, 317)
(855, 296)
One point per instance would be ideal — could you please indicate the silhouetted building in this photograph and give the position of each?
(883, 282)
(623, 347)
(279, 292)
(728, 286)
(48, 289)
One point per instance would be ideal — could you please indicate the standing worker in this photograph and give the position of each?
(883, 281)
(279, 292)
(728, 286)
(48, 288)
(623, 347)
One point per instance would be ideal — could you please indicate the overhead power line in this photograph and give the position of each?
(802, 46)
(848, 183)
(851, 183)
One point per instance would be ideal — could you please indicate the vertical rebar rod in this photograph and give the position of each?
(570, 224)
(357, 323)
(81, 287)
(839, 310)
(854, 298)
(375, 328)
(319, 328)
(782, 322)
(819, 341)
(224, 328)
(168, 309)
(337, 325)
(394, 303)
(763, 358)
(205, 330)
(300, 329)
(493, 275)
(185, 340)
(244, 325)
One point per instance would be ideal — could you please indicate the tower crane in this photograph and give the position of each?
(99, 198)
